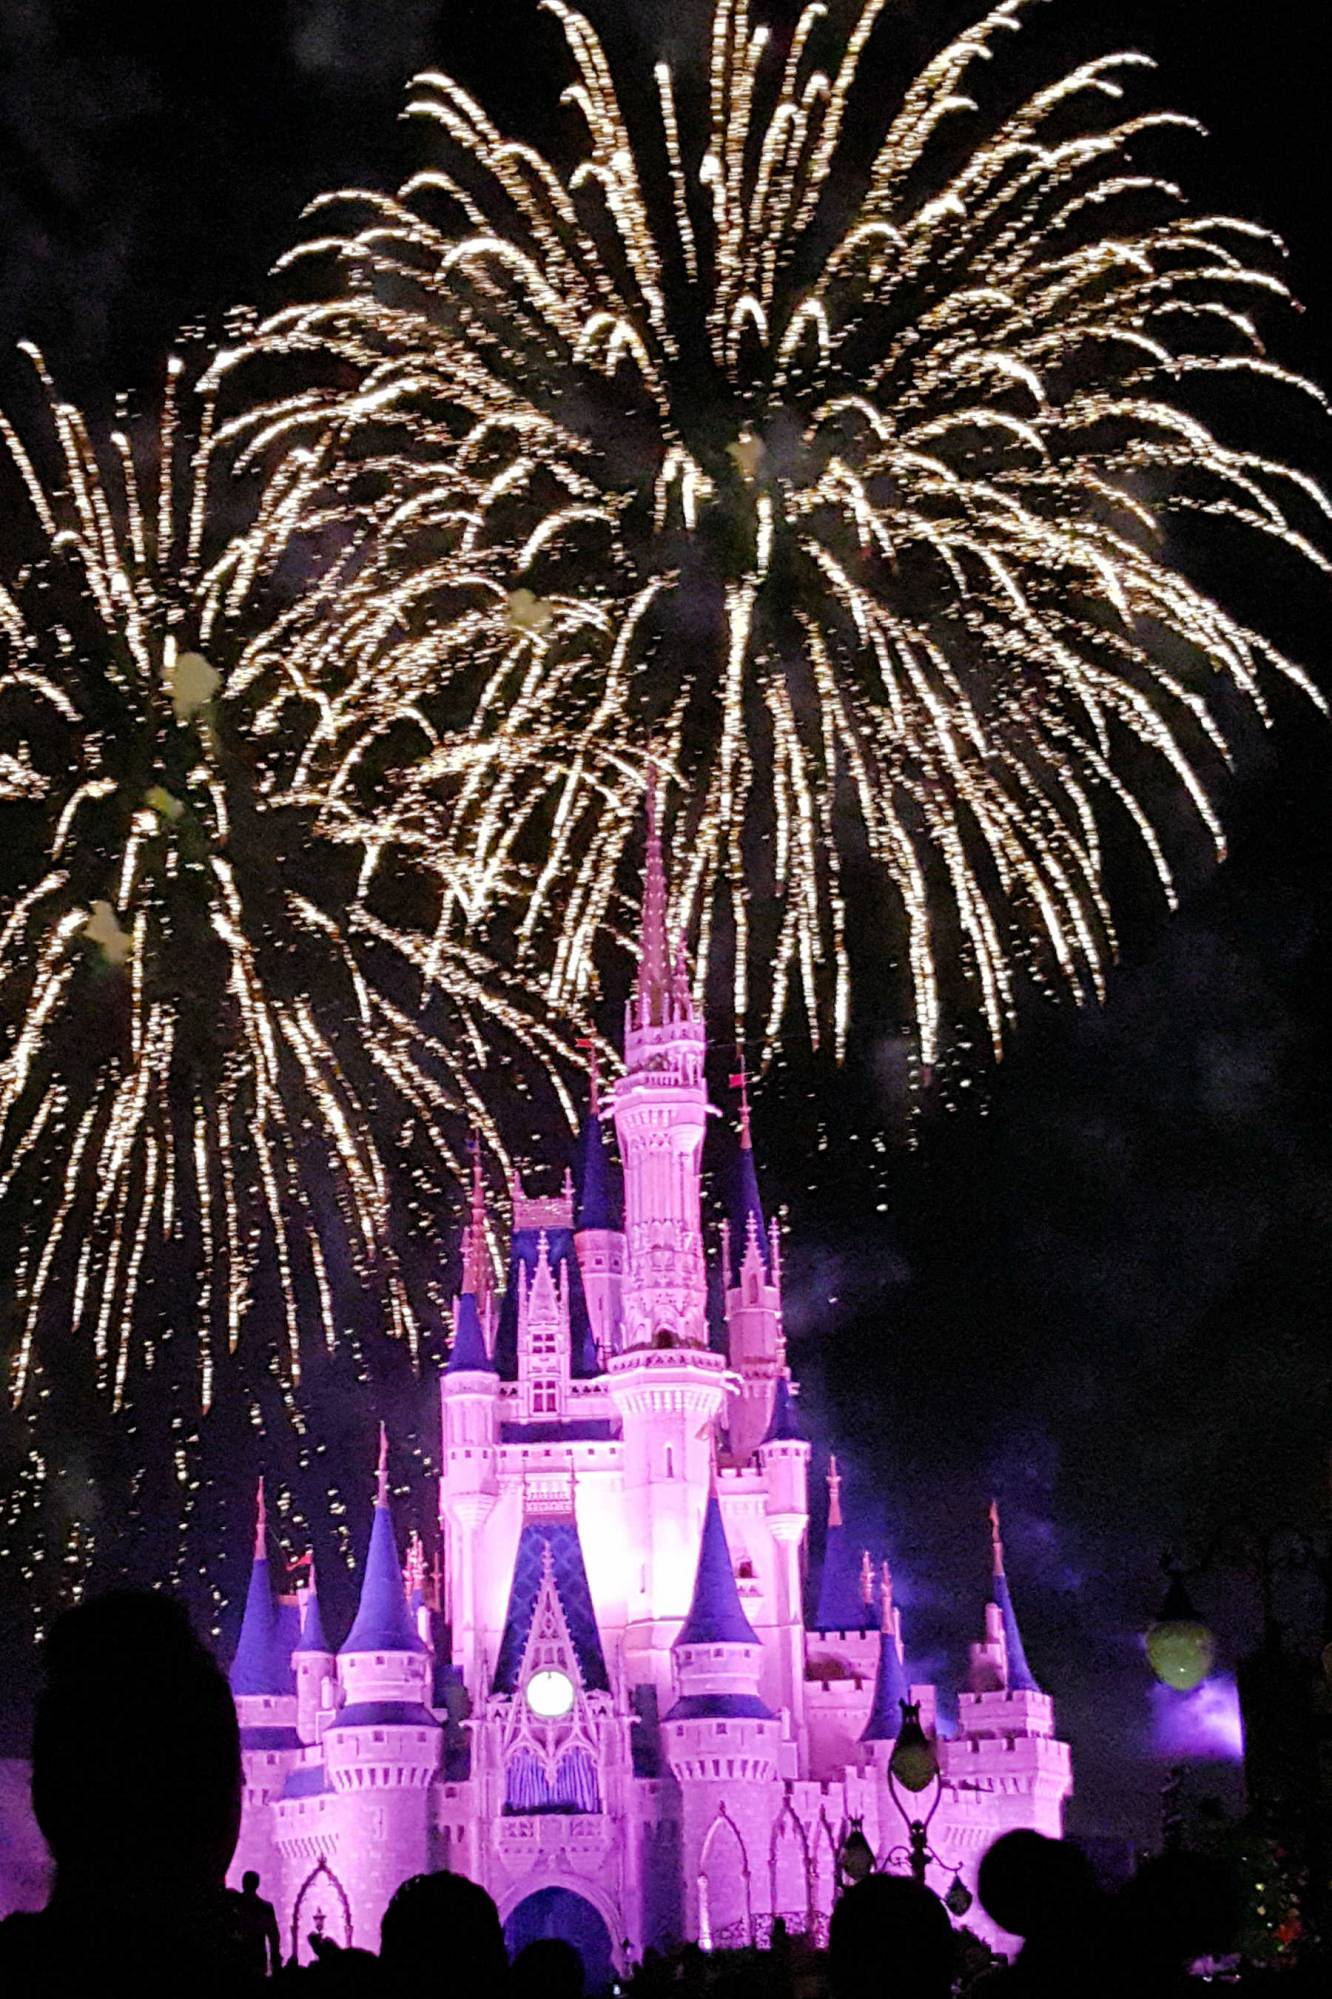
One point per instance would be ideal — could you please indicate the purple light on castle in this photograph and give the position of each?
(1204, 1726)
(616, 1716)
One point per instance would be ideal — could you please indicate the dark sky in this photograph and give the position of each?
(1098, 1279)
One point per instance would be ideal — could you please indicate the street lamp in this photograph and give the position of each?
(856, 1857)
(914, 1767)
(1180, 1648)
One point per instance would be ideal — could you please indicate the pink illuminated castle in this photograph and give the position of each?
(618, 1716)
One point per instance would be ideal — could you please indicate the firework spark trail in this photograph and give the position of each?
(918, 468)
(216, 1071)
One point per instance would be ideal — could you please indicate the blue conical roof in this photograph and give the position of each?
(842, 1605)
(468, 1353)
(383, 1622)
(312, 1637)
(597, 1202)
(1020, 1675)
(253, 1669)
(784, 1423)
(716, 1615)
(890, 1690)
(746, 1205)
(286, 1637)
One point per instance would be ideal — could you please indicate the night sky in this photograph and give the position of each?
(1094, 1280)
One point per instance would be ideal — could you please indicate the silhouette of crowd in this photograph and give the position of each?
(142, 1838)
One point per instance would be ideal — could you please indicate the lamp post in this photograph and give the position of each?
(913, 1768)
(855, 1857)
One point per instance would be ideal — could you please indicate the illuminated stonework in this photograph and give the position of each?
(612, 1692)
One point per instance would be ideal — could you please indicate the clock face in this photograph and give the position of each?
(550, 1694)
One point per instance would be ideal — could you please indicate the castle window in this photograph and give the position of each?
(670, 1462)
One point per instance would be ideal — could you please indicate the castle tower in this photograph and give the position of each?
(314, 1666)
(382, 1748)
(661, 1112)
(468, 1489)
(751, 1269)
(265, 1694)
(783, 1460)
(1006, 1741)
(598, 1233)
(666, 1386)
(722, 1741)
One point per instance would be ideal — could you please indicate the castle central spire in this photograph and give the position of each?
(653, 997)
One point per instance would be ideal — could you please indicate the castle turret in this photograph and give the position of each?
(382, 1748)
(721, 1739)
(598, 1225)
(666, 1387)
(1006, 1742)
(469, 1409)
(999, 1663)
(265, 1693)
(261, 1674)
(783, 1460)
(314, 1665)
(752, 1274)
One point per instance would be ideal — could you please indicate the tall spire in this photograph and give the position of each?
(748, 1228)
(890, 1679)
(654, 966)
(476, 1255)
(716, 1614)
(1018, 1673)
(382, 1623)
(841, 1605)
(254, 1670)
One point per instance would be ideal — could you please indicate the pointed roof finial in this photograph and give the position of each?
(834, 1493)
(885, 1597)
(654, 968)
(381, 1474)
(260, 1526)
(476, 1257)
(866, 1576)
(1018, 1673)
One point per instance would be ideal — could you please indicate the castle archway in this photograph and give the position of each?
(563, 1913)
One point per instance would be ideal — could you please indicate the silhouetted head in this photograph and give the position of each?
(1036, 1887)
(1178, 1907)
(887, 1928)
(444, 1919)
(547, 1968)
(136, 1768)
(249, 1882)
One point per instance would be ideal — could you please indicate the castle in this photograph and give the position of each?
(617, 1715)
